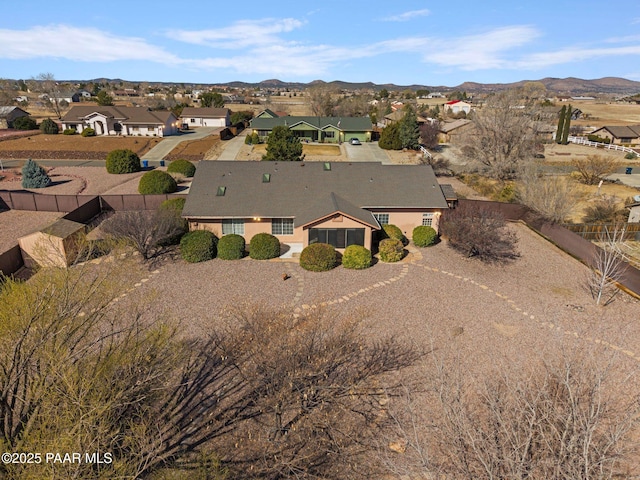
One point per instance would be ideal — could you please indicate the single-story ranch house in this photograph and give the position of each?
(620, 135)
(205, 117)
(318, 129)
(308, 202)
(8, 114)
(133, 121)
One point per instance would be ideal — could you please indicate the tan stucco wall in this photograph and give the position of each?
(407, 221)
(251, 227)
(340, 221)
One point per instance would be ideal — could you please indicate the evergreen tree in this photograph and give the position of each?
(390, 137)
(560, 124)
(34, 176)
(408, 130)
(567, 125)
(104, 99)
(283, 146)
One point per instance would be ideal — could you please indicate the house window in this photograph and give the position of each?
(427, 219)
(338, 237)
(383, 218)
(193, 120)
(264, 133)
(282, 226)
(330, 134)
(626, 140)
(233, 225)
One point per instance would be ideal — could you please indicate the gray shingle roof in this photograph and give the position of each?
(349, 124)
(128, 115)
(623, 131)
(303, 189)
(204, 112)
(6, 110)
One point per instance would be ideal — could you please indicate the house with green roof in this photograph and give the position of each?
(301, 203)
(317, 129)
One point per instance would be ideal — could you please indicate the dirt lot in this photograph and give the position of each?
(332, 153)
(72, 146)
(600, 114)
(208, 148)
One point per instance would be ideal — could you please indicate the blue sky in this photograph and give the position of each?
(410, 42)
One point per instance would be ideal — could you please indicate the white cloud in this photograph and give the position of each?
(406, 16)
(570, 55)
(241, 34)
(79, 44)
(625, 39)
(482, 51)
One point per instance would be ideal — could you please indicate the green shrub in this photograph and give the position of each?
(394, 232)
(198, 246)
(88, 132)
(70, 131)
(122, 161)
(391, 250)
(264, 246)
(255, 138)
(318, 257)
(49, 127)
(424, 236)
(597, 138)
(24, 123)
(356, 257)
(231, 247)
(183, 167)
(630, 156)
(156, 182)
(175, 205)
(34, 176)
(247, 140)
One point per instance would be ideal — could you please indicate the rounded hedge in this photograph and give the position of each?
(184, 167)
(356, 257)
(88, 132)
(424, 236)
(393, 232)
(24, 123)
(318, 257)
(198, 246)
(122, 161)
(391, 250)
(231, 247)
(49, 127)
(70, 131)
(156, 182)
(264, 246)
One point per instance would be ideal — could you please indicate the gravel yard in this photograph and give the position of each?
(18, 223)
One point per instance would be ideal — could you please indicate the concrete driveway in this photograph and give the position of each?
(367, 152)
(167, 144)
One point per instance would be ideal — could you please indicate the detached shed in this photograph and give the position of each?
(53, 246)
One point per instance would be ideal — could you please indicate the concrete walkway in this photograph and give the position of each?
(232, 147)
(167, 144)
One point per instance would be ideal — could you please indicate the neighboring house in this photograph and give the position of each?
(132, 121)
(449, 131)
(307, 202)
(457, 106)
(84, 94)
(69, 97)
(318, 129)
(634, 211)
(620, 135)
(8, 114)
(398, 115)
(21, 98)
(267, 113)
(206, 117)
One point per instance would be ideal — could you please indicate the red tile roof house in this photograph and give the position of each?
(308, 202)
(132, 121)
(206, 117)
(457, 106)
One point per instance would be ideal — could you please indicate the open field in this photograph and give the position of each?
(601, 114)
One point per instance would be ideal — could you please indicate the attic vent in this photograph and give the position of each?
(220, 192)
(327, 166)
(266, 177)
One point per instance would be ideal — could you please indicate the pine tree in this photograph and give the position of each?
(560, 124)
(408, 130)
(567, 125)
(283, 145)
(34, 176)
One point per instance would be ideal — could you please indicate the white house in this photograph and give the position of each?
(206, 117)
(131, 121)
(457, 106)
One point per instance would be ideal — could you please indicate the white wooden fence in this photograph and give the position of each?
(608, 146)
(425, 152)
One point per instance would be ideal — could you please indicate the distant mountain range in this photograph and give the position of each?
(567, 86)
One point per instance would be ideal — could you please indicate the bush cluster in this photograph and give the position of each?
(318, 257)
(24, 123)
(49, 127)
(183, 167)
(424, 236)
(175, 206)
(394, 232)
(264, 246)
(34, 176)
(391, 250)
(69, 131)
(356, 257)
(231, 247)
(198, 246)
(122, 161)
(156, 182)
(88, 132)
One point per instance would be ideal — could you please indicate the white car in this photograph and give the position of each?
(354, 141)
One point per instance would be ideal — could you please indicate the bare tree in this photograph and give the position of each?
(552, 196)
(594, 168)
(49, 85)
(429, 133)
(503, 135)
(320, 100)
(608, 266)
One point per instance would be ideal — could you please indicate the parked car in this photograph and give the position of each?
(354, 141)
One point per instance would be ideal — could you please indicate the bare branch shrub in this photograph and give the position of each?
(429, 132)
(605, 209)
(594, 168)
(608, 266)
(479, 231)
(552, 196)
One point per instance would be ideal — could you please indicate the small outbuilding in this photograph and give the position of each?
(54, 246)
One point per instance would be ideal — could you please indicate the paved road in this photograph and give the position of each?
(167, 144)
